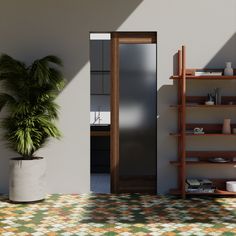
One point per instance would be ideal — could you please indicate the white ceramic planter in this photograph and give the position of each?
(231, 186)
(27, 180)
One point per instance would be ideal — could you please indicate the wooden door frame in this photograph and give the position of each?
(116, 39)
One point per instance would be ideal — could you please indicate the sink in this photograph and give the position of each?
(99, 127)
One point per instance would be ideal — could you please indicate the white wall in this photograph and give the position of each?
(32, 29)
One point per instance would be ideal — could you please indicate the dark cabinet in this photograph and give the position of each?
(100, 150)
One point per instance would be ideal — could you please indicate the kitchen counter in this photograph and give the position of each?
(100, 130)
(100, 148)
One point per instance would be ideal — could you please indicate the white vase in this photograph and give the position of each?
(228, 69)
(226, 127)
(27, 180)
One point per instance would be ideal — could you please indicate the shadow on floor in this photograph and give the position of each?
(124, 214)
(137, 208)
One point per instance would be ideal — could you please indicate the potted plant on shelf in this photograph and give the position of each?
(31, 112)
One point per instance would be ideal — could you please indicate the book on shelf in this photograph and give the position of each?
(193, 183)
(199, 186)
(207, 73)
(200, 190)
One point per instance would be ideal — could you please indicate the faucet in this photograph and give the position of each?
(97, 116)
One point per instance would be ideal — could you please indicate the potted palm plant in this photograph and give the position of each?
(28, 96)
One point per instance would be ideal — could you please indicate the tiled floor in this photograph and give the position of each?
(119, 215)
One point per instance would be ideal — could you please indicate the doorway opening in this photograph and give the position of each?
(123, 112)
(100, 112)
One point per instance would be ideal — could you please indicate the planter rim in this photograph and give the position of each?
(21, 159)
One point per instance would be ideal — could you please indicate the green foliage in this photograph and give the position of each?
(29, 98)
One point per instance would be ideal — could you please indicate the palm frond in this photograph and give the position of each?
(56, 79)
(30, 99)
(13, 74)
(50, 108)
(52, 59)
(10, 65)
(43, 74)
(40, 72)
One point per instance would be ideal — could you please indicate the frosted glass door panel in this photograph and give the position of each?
(138, 109)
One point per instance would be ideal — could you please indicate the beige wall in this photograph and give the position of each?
(31, 29)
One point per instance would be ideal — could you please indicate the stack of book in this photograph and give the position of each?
(199, 186)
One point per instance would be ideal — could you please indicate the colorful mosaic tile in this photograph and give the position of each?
(124, 214)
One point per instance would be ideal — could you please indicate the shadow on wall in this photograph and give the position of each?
(33, 29)
(226, 53)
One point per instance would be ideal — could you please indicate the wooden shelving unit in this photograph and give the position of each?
(186, 102)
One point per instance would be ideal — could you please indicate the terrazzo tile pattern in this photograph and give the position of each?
(125, 215)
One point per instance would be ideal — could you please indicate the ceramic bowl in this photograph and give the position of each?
(231, 186)
(209, 103)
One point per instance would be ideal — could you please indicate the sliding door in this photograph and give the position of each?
(134, 101)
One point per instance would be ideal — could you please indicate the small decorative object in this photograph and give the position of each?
(209, 103)
(198, 130)
(219, 160)
(234, 130)
(207, 73)
(210, 97)
(228, 71)
(226, 126)
(217, 96)
(231, 186)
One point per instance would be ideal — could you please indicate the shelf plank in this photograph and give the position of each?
(177, 163)
(209, 129)
(211, 134)
(218, 192)
(203, 155)
(205, 77)
(199, 101)
(204, 106)
(220, 185)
